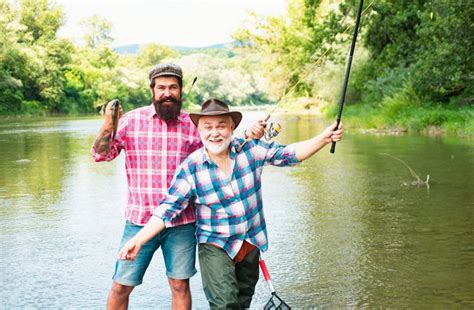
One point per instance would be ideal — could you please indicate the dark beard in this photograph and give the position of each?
(168, 113)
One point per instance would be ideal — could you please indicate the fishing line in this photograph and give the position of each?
(313, 66)
(299, 81)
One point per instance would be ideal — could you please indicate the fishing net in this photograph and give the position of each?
(276, 302)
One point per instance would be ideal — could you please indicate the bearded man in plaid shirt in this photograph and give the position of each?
(156, 139)
(225, 186)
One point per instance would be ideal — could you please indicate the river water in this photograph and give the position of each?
(346, 229)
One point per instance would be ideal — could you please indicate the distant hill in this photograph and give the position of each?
(222, 48)
(127, 49)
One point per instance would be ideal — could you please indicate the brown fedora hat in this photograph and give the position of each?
(213, 107)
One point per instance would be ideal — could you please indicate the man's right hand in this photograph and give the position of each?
(257, 130)
(108, 122)
(102, 142)
(130, 250)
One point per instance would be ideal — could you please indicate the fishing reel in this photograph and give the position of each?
(271, 131)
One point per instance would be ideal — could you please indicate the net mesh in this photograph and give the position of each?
(276, 302)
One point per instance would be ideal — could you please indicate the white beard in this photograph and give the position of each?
(217, 149)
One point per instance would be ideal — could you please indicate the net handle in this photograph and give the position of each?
(266, 274)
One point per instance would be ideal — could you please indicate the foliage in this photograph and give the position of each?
(428, 43)
(98, 31)
(445, 63)
(43, 74)
(413, 65)
(234, 80)
(295, 45)
(32, 61)
(412, 56)
(151, 54)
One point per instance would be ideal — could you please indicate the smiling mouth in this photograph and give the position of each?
(216, 141)
(168, 104)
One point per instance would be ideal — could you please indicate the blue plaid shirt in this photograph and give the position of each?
(229, 211)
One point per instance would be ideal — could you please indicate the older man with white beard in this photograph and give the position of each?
(225, 187)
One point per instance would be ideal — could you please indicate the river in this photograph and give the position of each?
(345, 229)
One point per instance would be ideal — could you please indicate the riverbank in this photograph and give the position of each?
(395, 119)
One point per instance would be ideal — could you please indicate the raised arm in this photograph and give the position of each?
(102, 143)
(308, 148)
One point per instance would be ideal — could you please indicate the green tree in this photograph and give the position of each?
(422, 44)
(44, 83)
(234, 80)
(41, 18)
(445, 63)
(151, 54)
(33, 59)
(12, 61)
(97, 31)
(311, 31)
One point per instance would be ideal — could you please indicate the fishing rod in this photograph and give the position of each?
(192, 84)
(272, 132)
(186, 94)
(348, 71)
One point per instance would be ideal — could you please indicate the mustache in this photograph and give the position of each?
(172, 99)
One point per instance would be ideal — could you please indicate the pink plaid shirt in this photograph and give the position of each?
(153, 151)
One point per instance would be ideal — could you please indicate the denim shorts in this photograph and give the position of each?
(178, 245)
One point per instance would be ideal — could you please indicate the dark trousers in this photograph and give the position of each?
(228, 284)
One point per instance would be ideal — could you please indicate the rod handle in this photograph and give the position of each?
(266, 274)
(239, 148)
(333, 145)
(263, 267)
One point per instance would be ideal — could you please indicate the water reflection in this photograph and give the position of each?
(33, 168)
(343, 230)
(378, 243)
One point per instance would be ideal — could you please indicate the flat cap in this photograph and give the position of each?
(165, 69)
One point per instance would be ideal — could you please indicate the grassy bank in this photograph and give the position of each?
(396, 114)
(435, 119)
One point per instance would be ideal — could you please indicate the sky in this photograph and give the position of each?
(190, 23)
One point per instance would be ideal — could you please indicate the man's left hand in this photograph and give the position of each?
(331, 134)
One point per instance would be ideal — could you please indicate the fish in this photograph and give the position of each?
(115, 116)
